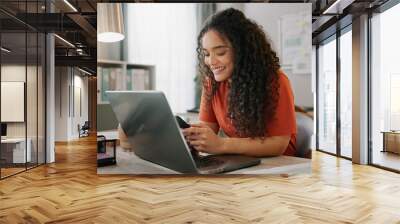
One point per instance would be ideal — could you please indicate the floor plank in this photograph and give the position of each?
(70, 191)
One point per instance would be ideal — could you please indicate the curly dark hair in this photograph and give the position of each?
(254, 86)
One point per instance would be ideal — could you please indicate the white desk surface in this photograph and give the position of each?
(129, 163)
(272, 165)
(20, 153)
(13, 140)
(109, 134)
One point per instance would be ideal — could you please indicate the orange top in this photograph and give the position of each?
(284, 122)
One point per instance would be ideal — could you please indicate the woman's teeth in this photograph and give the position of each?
(218, 69)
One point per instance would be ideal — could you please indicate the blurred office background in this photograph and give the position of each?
(164, 49)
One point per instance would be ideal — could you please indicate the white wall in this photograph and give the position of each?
(171, 53)
(61, 103)
(166, 40)
(14, 73)
(80, 83)
(17, 73)
(269, 17)
(66, 119)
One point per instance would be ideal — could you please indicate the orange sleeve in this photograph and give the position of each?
(206, 113)
(284, 122)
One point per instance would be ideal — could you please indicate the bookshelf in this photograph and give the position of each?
(119, 75)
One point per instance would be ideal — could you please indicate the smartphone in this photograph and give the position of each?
(182, 123)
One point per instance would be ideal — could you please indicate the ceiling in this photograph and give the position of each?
(329, 16)
(74, 21)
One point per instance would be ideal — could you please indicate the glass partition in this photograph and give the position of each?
(22, 90)
(346, 94)
(327, 96)
(14, 153)
(385, 89)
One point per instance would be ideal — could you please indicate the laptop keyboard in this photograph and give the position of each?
(208, 162)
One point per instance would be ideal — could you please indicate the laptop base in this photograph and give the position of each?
(213, 164)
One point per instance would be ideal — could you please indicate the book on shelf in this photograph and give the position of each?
(140, 79)
(109, 79)
(113, 78)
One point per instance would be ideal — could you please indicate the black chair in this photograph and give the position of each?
(84, 130)
(305, 129)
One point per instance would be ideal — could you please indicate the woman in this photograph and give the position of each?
(244, 91)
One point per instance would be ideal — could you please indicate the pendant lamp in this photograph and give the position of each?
(110, 25)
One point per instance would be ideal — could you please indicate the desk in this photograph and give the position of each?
(129, 163)
(391, 141)
(16, 147)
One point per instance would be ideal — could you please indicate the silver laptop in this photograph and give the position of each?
(155, 136)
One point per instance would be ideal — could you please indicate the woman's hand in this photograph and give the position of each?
(204, 139)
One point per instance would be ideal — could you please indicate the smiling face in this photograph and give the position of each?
(218, 55)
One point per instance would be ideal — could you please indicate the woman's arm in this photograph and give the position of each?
(270, 146)
(204, 139)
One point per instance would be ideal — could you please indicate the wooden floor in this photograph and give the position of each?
(10, 171)
(70, 191)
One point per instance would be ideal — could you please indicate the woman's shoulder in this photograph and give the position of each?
(282, 75)
(283, 79)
